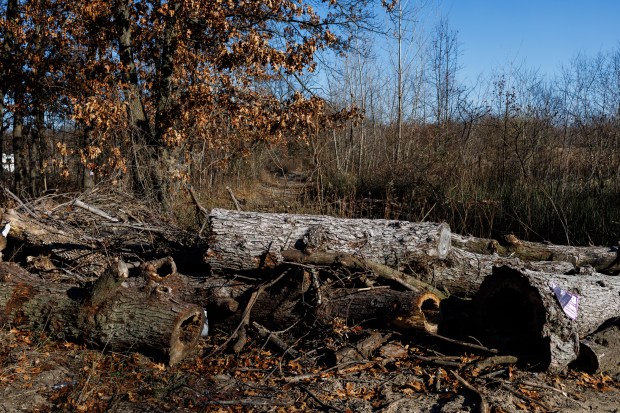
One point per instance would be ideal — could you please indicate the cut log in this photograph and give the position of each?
(294, 303)
(518, 312)
(251, 240)
(110, 316)
(600, 351)
(404, 310)
(462, 272)
(605, 260)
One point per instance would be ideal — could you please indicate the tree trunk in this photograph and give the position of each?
(110, 316)
(517, 311)
(462, 272)
(19, 151)
(604, 259)
(148, 167)
(251, 240)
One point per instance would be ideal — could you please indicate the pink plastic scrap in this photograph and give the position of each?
(568, 301)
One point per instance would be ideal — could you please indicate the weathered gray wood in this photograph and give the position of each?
(110, 316)
(604, 259)
(518, 311)
(462, 272)
(250, 240)
(600, 351)
(79, 252)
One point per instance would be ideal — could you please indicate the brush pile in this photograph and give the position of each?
(328, 295)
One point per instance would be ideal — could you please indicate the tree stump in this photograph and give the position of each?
(251, 240)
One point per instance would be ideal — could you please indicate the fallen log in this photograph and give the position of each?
(110, 315)
(403, 310)
(462, 272)
(605, 260)
(251, 240)
(517, 310)
(600, 351)
(358, 351)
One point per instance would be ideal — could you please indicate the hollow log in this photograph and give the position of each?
(251, 240)
(517, 310)
(110, 316)
(404, 310)
(462, 272)
(605, 260)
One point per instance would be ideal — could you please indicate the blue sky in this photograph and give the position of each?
(542, 34)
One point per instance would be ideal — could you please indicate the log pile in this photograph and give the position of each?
(550, 306)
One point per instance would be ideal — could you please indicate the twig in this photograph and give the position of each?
(202, 209)
(276, 341)
(564, 393)
(232, 195)
(251, 402)
(438, 362)
(245, 318)
(319, 401)
(21, 203)
(465, 344)
(493, 361)
(523, 396)
(483, 407)
(94, 210)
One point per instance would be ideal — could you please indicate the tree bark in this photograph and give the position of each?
(404, 310)
(517, 311)
(110, 316)
(604, 259)
(251, 240)
(462, 272)
(600, 351)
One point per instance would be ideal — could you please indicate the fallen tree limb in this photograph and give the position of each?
(359, 351)
(604, 259)
(359, 264)
(110, 316)
(94, 210)
(483, 406)
(251, 240)
(274, 340)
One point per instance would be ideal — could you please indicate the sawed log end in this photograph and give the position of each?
(185, 334)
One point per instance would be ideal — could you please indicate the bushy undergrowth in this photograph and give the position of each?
(563, 194)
